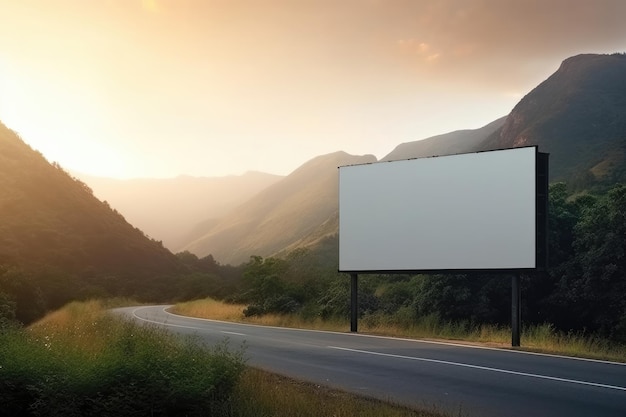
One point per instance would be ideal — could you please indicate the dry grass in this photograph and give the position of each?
(540, 338)
(72, 326)
(76, 324)
(544, 338)
(217, 310)
(86, 328)
(210, 309)
(263, 394)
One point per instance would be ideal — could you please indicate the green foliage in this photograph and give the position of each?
(578, 116)
(22, 294)
(132, 370)
(206, 278)
(266, 289)
(594, 280)
(582, 290)
(59, 243)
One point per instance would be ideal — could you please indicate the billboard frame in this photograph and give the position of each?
(541, 249)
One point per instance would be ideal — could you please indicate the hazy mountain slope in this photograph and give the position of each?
(460, 141)
(49, 219)
(169, 209)
(578, 115)
(294, 209)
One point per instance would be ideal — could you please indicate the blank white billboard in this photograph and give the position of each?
(460, 212)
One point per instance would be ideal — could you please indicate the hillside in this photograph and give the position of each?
(460, 141)
(170, 209)
(296, 211)
(578, 115)
(50, 220)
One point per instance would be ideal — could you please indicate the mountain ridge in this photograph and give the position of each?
(578, 115)
(456, 142)
(185, 201)
(285, 212)
(50, 219)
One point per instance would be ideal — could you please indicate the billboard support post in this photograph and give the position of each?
(516, 316)
(354, 302)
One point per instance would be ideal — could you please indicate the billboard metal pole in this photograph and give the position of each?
(516, 316)
(354, 302)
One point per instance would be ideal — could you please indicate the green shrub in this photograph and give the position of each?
(130, 370)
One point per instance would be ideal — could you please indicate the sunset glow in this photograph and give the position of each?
(160, 88)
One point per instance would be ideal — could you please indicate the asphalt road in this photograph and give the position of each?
(472, 381)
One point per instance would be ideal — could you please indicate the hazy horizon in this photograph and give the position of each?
(164, 88)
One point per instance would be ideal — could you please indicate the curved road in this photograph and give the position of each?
(473, 381)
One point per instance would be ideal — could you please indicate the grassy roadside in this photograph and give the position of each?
(264, 394)
(82, 360)
(542, 338)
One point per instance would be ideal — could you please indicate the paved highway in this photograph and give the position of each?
(478, 382)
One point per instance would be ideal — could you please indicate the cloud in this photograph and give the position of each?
(423, 50)
(502, 44)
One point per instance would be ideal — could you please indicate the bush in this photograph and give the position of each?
(111, 367)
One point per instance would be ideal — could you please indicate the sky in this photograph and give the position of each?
(162, 88)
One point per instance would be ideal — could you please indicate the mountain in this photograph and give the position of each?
(170, 210)
(297, 211)
(52, 221)
(460, 141)
(578, 115)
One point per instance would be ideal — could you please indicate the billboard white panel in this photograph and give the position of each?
(460, 212)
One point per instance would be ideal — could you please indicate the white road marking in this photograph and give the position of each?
(361, 335)
(422, 341)
(179, 325)
(484, 368)
(162, 323)
(235, 333)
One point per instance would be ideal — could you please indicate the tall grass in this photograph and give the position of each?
(82, 361)
(217, 310)
(262, 394)
(537, 338)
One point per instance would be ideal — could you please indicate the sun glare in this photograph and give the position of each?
(150, 5)
(8, 89)
(55, 129)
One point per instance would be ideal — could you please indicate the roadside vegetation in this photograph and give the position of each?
(536, 338)
(263, 394)
(577, 301)
(83, 360)
(576, 307)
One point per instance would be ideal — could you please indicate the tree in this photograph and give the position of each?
(266, 289)
(596, 280)
(7, 311)
(25, 297)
